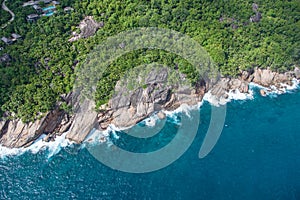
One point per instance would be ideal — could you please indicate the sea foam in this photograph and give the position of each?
(274, 91)
(231, 95)
(236, 95)
(53, 147)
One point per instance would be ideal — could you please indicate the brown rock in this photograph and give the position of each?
(221, 87)
(84, 121)
(132, 111)
(250, 78)
(263, 92)
(225, 96)
(297, 73)
(131, 106)
(19, 134)
(65, 127)
(245, 75)
(267, 77)
(104, 125)
(264, 77)
(171, 101)
(88, 27)
(244, 87)
(234, 84)
(257, 76)
(161, 115)
(280, 78)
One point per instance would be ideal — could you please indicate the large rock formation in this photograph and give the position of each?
(88, 27)
(264, 77)
(127, 107)
(227, 84)
(15, 133)
(83, 122)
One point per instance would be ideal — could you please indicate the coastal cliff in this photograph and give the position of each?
(127, 108)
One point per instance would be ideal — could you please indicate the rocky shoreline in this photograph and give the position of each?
(127, 110)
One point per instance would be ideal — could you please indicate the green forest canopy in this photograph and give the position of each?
(44, 61)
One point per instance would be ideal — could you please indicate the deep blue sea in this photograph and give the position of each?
(256, 157)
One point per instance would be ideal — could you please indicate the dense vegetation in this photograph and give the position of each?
(44, 61)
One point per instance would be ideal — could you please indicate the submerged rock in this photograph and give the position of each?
(263, 92)
(161, 115)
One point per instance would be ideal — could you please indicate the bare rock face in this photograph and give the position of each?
(84, 121)
(226, 84)
(244, 87)
(220, 89)
(257, 17)
(88, 27)
(245, 75)
(297, 73)
(266, 77)
(254, 7)
(128, 107)
(256, 76)
(15, 133)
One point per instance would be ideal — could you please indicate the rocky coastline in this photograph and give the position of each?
(127, 110)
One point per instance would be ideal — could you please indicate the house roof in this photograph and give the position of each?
(32, 16)
(36, 7)
(47, 1)
(6, 40)
(15, 35)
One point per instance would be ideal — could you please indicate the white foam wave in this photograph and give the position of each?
(212, 99)
(237, 95)
(271, 91)
(53, 147)
(231, 95)
(151, 121)
(183, 108)
(96, 136)
(274, 91)
(4, 152)
(294, 86)
(102, 136)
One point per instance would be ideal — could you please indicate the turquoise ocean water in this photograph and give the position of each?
(256, 157)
